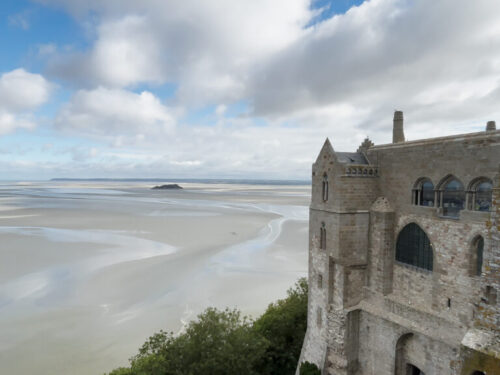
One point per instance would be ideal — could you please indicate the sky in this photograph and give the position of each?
(234, 88)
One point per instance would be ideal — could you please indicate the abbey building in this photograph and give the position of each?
(404, 257)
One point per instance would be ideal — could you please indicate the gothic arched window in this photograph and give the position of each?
(325, 187)
(480, 194)
(322, 237)
(414, 248)
(423, 193)
(453, 198)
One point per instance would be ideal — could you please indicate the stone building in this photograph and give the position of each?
(404, 257)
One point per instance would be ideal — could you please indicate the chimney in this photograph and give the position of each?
(491, 126)
(398, 134)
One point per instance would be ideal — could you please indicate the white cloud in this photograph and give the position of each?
(126, 53)
(388, 54)
(20, 20)
(20, 93)
(205, 47)
(438, 61)
(120, 116)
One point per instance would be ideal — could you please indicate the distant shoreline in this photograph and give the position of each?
(192, 180)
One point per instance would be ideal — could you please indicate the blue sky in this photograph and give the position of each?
(233, 88)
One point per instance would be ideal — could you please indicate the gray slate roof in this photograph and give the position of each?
(351, 157)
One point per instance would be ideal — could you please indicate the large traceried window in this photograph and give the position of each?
(423, 193)
(453, 198)
(414, 248)
(325, 187)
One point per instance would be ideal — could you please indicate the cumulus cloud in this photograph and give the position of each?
(205, 47)
(119, 116)
(126, 52)
(20, 93)
(388, 54)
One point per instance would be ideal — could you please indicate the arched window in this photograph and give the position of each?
(414, 248)
(477, 256)
(453, 198)
(423, 193)
(480, 193)
(322, 237)
(478, 373)
(325, 187)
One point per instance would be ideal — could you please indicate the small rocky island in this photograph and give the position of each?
(167, 187)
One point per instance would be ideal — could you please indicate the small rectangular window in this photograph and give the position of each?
(320, 281)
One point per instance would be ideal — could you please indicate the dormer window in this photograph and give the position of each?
(325, 187)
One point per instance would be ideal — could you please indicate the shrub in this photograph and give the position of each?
(308, 368)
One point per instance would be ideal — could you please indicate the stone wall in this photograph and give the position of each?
(378, 342)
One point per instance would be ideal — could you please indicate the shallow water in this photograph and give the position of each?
(89, 270)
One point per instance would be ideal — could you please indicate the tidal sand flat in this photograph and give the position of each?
(89, 270)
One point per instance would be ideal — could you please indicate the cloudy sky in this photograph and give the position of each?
(234, 88)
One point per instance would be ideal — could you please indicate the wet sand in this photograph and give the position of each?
(89, 270)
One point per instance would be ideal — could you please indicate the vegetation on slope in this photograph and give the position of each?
(227, 343)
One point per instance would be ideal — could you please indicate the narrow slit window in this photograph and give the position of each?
(479, 255)
(322, 240)
(325, 187)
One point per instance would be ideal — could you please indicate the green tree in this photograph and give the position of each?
(226, 343)
(217, 343)
(284, 325)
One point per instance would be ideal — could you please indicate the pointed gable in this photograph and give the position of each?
(327, 152)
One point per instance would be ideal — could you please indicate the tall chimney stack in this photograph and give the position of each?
(490, 126)
(398, 134)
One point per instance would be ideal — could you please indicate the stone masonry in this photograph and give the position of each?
(404, 257)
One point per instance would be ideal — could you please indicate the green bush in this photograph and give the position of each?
(284, 325)
(218, 342)
(308, 368)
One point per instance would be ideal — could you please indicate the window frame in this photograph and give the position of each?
(442, 194)
(473, 191)
(418, 192)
